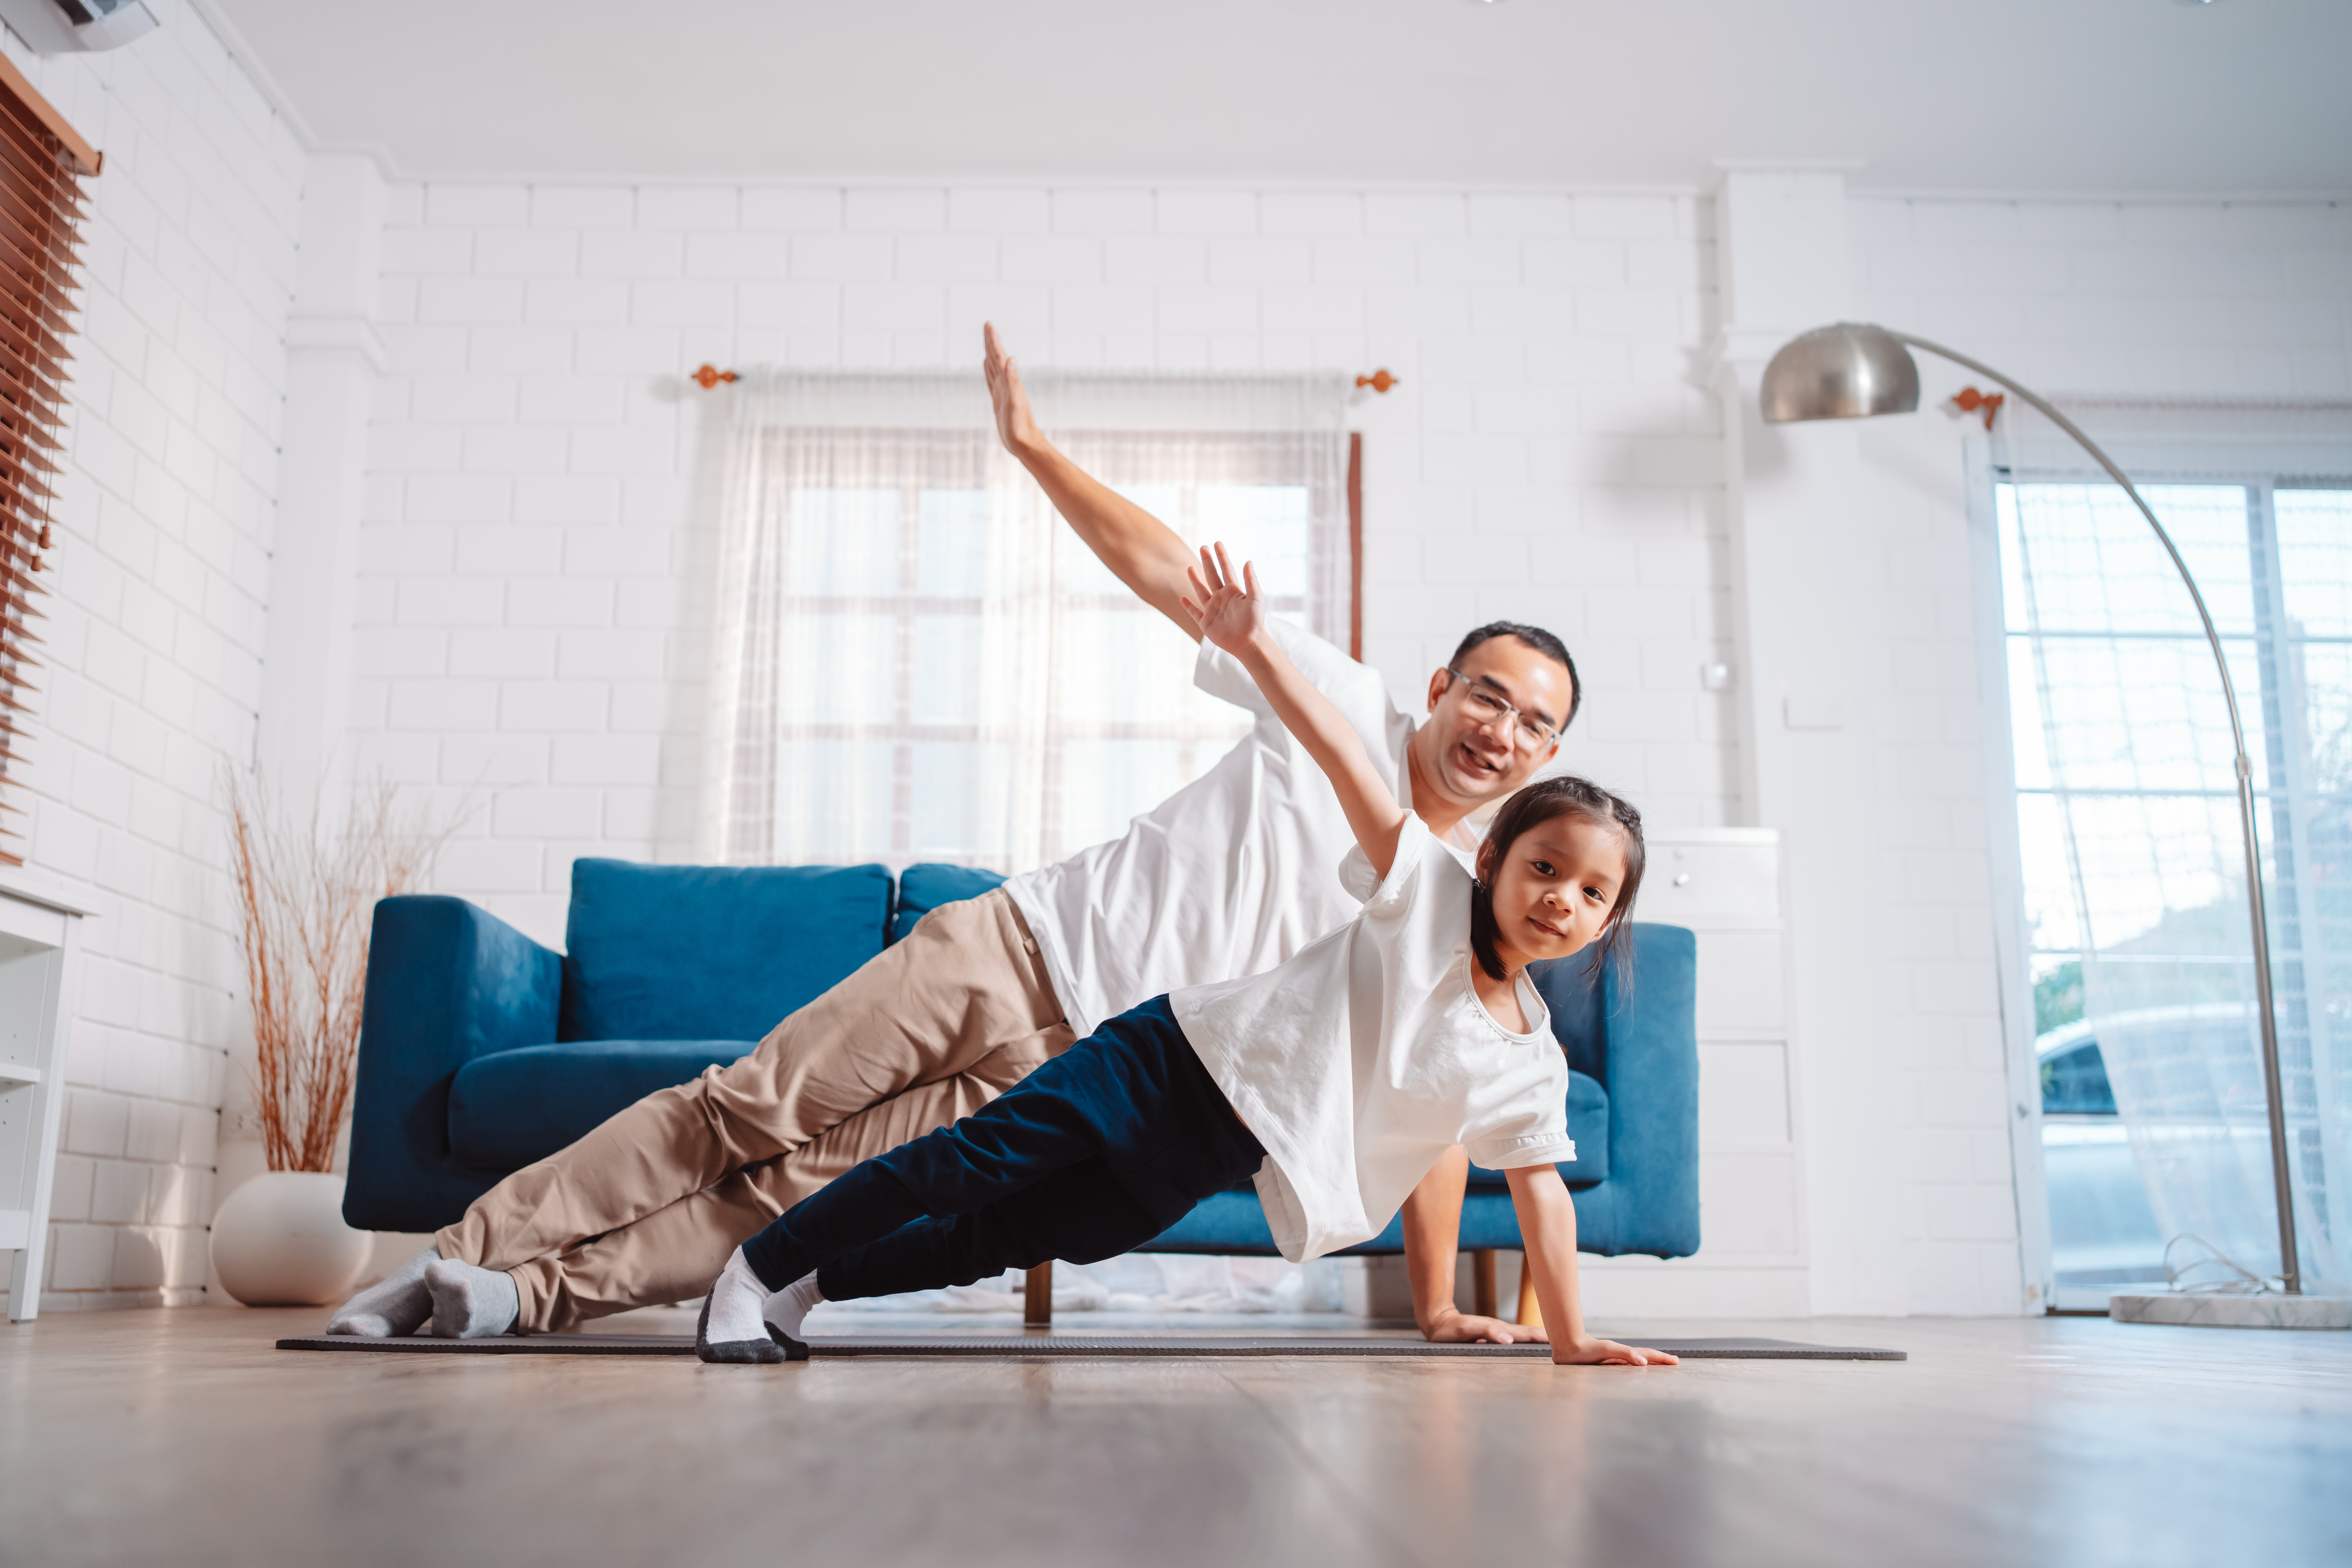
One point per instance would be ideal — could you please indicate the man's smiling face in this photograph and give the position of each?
(1477, 757)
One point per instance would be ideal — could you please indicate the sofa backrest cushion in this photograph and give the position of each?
(924, 887)
(711, 953)
(1575, 996)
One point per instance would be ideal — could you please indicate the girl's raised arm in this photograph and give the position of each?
(1231, 612)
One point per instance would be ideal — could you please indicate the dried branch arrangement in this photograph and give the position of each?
(306, 902)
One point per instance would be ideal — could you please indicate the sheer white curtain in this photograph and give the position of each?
(917, 660)
(2127, 797)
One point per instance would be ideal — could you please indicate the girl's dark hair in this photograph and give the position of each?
(1565, 795)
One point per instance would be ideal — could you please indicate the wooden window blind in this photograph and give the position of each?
(42, 164)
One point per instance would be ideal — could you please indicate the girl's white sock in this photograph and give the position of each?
(741, 1312)
(731, 1315)
(789, 1307)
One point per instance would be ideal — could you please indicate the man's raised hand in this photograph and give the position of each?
(1228, 608)
(1015, 425)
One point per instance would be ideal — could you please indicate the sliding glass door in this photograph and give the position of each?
(2155, 1130)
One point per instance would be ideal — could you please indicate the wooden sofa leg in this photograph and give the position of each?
(1482, 1282)
(1037, 1297)
(1530, 1313)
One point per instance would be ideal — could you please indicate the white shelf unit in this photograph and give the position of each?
(39, 972)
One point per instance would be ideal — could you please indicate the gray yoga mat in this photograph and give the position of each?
(1089, 1346)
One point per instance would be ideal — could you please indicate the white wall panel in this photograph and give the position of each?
(158, 614)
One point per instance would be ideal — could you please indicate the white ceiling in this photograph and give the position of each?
(2017, 95)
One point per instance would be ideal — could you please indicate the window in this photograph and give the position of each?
(925, 664)
(2133, 869)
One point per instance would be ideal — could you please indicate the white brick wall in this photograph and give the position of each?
(2142, 298)
(155, 638)
(538, 549)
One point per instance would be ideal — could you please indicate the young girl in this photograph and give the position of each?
(1336, 1079)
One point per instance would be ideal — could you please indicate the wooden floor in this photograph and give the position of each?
(182, 1437)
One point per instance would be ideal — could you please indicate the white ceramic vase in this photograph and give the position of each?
(279, 1240)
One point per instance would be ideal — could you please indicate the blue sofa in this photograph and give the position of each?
(481, 1051)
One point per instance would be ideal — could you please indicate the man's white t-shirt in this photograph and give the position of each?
(1232, 873)
(1362, 1059)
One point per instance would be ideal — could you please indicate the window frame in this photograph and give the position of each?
(2015, 954)
(904, 733)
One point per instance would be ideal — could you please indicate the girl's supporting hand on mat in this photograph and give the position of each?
(1590, 1351)
(1547, 1230)
(1451, 1326)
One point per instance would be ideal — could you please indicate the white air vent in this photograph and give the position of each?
(69, 26)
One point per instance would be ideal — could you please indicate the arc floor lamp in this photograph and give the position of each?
(1853, 371)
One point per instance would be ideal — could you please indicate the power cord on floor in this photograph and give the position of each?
(2239, 1280)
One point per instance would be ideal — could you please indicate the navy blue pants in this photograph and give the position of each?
(1091, 1155)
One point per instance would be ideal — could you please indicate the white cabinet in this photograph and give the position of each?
(1723, 884)
(37, 974)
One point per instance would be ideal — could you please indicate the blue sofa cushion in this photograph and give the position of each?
(924, 887)
(1640, 1039)
(512, 1108)
(711, 953)
(1588, 1123)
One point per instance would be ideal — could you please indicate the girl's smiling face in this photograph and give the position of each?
(1554, 887)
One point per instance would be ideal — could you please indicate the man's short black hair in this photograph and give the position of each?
(1536, 637)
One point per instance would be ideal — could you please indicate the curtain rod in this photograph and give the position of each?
(709, 377)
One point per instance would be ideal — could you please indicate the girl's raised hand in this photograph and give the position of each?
(1228, 609)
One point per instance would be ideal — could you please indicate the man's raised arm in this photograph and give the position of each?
(1141, 551)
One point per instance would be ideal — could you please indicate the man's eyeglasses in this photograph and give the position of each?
(1486, 705)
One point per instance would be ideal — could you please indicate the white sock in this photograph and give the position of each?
(470, 1304)
(789, 1307)
(732, 1313)
(393, 1307)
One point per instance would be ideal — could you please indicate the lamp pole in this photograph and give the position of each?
(1847, 372)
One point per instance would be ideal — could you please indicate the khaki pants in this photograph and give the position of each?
(646, 1208)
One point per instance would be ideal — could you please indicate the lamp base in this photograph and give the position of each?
(2221, 1311)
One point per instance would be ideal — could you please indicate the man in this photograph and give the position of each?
(1228, 876)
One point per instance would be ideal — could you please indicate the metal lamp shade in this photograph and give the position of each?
(1845, 371)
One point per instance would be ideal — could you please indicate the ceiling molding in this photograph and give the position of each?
(1704, 191)
(282, 102)
(2242, 198)
(1050, 182)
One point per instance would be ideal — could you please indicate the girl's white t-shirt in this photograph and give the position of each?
(1368, 1055)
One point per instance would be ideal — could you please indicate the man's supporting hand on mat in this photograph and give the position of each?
(457, 1299)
